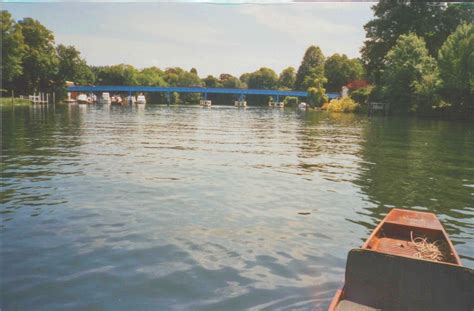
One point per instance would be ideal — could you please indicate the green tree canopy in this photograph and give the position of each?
(287, 78)
(229, 81)
(121, 74)
(263, 78)
(456, 64)
(410, 78)
(340, 70)
(40, 61)
(431, 20)
(311, 71)
(72, 67)
(151, 76)
(211, 81)
(13, 49)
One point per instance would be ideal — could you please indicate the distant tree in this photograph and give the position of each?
(340, 70)
(317, 94)
(410, 80)
(433, 21)
(71, 67)
(194, 71)
(212, 82)
(456, 64)
(263, 78)
(229, 81)
(13, 49)
(244, 78)
(311, 70)
(121, 74)
(40, 61)
(287, 78)
(151, 76)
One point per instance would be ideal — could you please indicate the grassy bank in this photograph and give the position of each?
(8, 101)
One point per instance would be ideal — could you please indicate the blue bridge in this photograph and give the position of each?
(202, 90)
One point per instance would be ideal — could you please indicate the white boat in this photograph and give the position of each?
(92, 99)
(82, 99)
(105, 99)
(280, 104)
(131, 100)
(302, 106)
(116, 100)
(141, 100)
(205, 103)
(239, 103)
(271, 104)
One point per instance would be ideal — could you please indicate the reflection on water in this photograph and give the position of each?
(216, 209)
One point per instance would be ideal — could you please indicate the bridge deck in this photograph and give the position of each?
(133, 89)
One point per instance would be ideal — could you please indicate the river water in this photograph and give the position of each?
(189, 208)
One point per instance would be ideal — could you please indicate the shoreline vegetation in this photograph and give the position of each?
(9, 101)
(403, 62)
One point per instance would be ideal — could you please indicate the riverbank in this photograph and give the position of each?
(8, 101)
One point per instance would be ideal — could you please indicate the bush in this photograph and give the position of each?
(345, 104)
(361, 96)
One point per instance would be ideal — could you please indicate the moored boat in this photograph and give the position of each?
(105, 99)
(116, 100)
(302, 106)
(82, 99)
(141, 99)
(407, 263)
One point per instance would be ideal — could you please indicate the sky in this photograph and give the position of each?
(213, 38)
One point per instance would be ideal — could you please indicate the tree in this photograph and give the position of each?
(456, 65)
(311, 70)
(287, 78)
(13, 49)
(121, 74)
(410, 78)
(229, 81)
(40, 61)
(340, 70)
(71, 67)
(263, 78)
(194, 71)
(244, 78)
(151, 76)
(211, 81)
(430, 20)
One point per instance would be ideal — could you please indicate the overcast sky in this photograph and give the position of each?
(232, 38)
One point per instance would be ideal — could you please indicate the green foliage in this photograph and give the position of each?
(264, 78)
(287, 78)
(116, 75)
(456, 65)
(410, 79)
(431, 20)
(291, 101)
(13, 49)
(340, 70)
(8, 101)
(317, 95)
(345, 104)
(311, 71)
(361, 96)
(151, 76)
(72, 67)
(40, 61)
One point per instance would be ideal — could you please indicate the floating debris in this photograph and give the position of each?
(304, 213)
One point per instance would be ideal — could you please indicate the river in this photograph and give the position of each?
(183, 207)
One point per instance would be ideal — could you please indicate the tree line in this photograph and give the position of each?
(32, 62)
(418, 56)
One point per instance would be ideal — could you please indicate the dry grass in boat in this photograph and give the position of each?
(429, 250)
